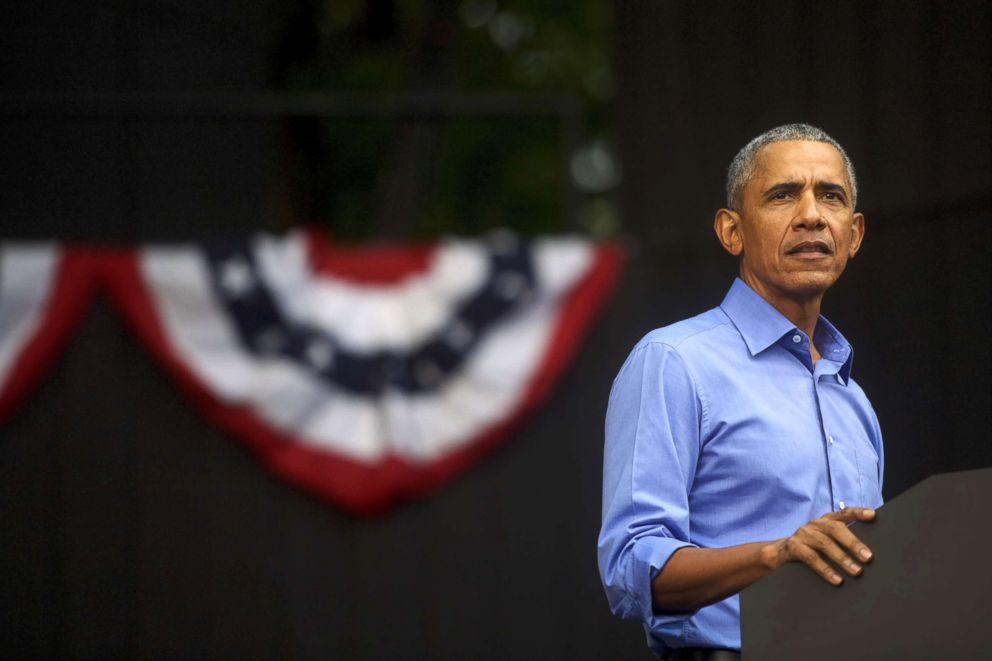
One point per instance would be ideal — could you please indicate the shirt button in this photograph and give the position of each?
(797, 339)
(830, 439)
(841, 503)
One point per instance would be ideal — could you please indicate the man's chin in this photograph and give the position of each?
(811, 283)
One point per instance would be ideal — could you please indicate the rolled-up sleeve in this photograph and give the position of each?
(653, 425)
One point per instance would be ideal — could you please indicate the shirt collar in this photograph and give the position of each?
(761, 326)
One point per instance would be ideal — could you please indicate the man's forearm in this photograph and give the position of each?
(695, 577)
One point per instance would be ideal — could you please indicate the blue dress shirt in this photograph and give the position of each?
(721, 431)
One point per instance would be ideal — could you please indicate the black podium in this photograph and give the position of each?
(926, 595)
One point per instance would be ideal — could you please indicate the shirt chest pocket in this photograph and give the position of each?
(854, 461)
(868, 470)
(853, 464)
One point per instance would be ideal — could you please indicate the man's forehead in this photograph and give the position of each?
(796, 160)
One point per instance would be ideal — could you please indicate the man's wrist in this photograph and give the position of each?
(770, 555)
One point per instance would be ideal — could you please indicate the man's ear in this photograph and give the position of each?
(857, 232)
(727, 226)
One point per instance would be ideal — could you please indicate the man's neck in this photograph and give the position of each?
(804, 312)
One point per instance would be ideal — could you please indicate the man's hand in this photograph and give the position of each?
(827, 538)
(695, 577)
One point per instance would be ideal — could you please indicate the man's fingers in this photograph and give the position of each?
(849, 514)
(830, 538)
(828, 547)
(839, 531)
(813, 547)
(816, 562)
(848, 540)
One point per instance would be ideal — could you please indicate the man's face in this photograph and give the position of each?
(797, 227)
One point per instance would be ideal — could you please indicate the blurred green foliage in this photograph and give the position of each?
(365, 177)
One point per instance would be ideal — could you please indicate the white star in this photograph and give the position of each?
(510, 285)
(458, 335)
(427, 372)
(270, 340)
(320, 353)
(236, 278)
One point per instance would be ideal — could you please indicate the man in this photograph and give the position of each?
(736, 441)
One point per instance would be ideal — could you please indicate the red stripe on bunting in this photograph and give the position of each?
(68, 299)
(358, 487)
(371, 264)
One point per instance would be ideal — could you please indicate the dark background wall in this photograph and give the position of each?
(128, 527)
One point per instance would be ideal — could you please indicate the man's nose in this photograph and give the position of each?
(808, 214)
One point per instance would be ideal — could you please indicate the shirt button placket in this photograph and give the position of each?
(829, 440)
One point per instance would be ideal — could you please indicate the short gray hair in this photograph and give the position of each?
(742, 167)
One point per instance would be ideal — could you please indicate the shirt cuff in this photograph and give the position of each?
(649, 555)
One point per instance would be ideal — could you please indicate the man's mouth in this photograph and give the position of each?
(810, 249)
